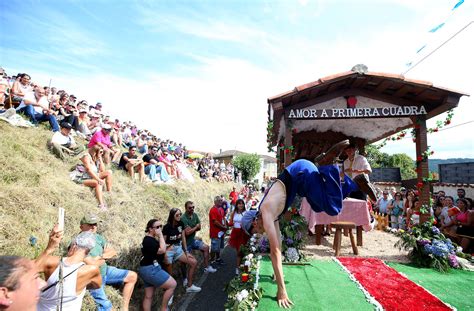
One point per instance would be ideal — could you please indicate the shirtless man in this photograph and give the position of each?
(324, 192)
(75, 273)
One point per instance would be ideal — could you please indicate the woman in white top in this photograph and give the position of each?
(238, 236)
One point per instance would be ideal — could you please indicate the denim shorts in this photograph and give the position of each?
(113, 276)
(174, 253)
(217, 244)
(195, 244)
(153, 275)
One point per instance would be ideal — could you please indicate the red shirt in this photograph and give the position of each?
(215, 213)
(234, 196)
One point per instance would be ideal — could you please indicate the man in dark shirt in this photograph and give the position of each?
(130, 163)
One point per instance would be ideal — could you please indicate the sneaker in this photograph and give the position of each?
(362, 181)
(171, 301)
(9, 113)
(328, 157)
(210, 269)
(220, 261)
(185, 282)
(193, 289)
(237, 271)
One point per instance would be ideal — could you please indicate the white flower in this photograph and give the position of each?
(254, 303)
(247, 263)
(253, 240)
(249, 256)
(242, 295)
(459, 249)
(259, 257)
(253, 248)
(292, 254)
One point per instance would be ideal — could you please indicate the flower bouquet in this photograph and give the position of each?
(293, 237)
(428, 247)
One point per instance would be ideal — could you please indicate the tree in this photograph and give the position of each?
(248, 164)
(377, 158)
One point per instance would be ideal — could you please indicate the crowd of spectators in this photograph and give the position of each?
(211, 169)
(454, 216)
(100, 143)
(85, 265)
(84, 131)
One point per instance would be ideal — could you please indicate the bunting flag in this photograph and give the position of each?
(432, 31)
(457, 5)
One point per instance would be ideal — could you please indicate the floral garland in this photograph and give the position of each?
(428, 247)
(439, 125)
(286, 149)
(243, 291)
(419, 160)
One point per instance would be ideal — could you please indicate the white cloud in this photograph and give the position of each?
(222, 105)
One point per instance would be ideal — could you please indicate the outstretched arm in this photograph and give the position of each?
(272, 229)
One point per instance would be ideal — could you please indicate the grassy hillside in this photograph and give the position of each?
(33, 183)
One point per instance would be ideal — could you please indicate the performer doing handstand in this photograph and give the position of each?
(323, 190)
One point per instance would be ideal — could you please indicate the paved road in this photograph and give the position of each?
(212, 296)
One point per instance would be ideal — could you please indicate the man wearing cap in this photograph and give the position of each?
(62, 144)
(102, 139)
(110, 275)
(321, 186)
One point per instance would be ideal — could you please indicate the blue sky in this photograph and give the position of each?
(200, 71)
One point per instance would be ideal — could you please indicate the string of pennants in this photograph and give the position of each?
(431, 32)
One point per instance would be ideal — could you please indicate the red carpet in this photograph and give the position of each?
(391, 289)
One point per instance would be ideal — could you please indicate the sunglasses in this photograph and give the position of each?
(158, 227)
(191, 206)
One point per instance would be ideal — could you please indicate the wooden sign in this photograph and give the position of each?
(355, 113)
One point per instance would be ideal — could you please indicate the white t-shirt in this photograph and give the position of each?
(359, 163)
(43, 102)
(59, 138)
(237, 220)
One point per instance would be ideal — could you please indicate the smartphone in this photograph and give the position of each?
(60, 219)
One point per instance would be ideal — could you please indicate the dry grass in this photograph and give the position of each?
(33, 183)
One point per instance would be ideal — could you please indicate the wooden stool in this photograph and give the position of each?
(347, 226)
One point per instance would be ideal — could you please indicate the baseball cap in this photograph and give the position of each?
(82, 111)
(403, 189)
(90, 219)
(66, 125)
(106, 126)
(247, 219)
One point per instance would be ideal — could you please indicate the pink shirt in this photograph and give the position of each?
(99, 137)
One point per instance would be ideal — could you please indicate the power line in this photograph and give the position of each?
(448, 128)
(442, 44)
